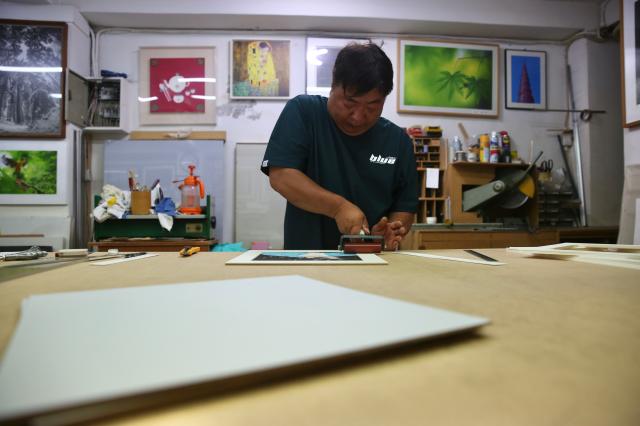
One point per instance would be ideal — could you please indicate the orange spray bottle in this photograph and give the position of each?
(190, 202)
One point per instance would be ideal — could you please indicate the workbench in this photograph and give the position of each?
(562, 347)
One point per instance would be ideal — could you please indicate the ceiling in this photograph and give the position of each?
(288, 16)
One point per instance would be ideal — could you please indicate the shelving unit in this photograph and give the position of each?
(558, 208)
(430, 153)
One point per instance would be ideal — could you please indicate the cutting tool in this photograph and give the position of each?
(188, 251)
(510, 190)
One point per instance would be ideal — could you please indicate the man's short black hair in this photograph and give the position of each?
(361, 68)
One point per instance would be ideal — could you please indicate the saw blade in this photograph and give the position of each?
(528, 186)
(513, 199)
(517, 197)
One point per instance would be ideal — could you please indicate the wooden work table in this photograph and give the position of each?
(563, 346)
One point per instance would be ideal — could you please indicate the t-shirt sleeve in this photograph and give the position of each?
(406, 189)
(289, 142)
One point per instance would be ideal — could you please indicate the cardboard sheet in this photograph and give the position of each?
(76, 348)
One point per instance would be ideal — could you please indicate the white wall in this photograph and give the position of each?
(52, 221)
(253, 121)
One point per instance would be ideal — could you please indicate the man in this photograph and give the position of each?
(341, 166)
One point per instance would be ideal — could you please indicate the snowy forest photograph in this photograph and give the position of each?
(32, 63)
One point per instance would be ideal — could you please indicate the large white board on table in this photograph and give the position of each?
(70, 349)
(168, 160)
(259, 210)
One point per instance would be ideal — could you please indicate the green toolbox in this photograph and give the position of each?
(140, 226)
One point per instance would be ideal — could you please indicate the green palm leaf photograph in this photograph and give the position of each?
(447, 78)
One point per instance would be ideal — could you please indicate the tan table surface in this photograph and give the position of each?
(563, 347)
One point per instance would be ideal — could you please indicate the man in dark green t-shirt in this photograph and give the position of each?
(340, 165)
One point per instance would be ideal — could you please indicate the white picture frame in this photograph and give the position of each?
(630, 53)
(304, 257)
(207, 81)
(449, 77)
(320, 57)
(525, 79)
(62, 167)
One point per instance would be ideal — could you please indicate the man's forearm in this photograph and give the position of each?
(303, 192)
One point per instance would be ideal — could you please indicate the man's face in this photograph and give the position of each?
(354, 115)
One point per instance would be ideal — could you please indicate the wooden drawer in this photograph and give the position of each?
(448, 239)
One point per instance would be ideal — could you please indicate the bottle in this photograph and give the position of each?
(190, 189)
(494, 148)
(506, 146)
(484, 148)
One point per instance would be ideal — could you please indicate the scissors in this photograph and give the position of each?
(546, 165)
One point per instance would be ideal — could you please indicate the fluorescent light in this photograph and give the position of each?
(56, 95)
(30, 69)
(205, 97)
(197, 79)
(149, 99)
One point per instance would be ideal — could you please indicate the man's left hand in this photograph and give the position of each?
(391, 231)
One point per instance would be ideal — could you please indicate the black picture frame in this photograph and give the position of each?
(33, 62)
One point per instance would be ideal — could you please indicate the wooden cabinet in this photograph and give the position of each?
(422, 239)
(431, 157)
(461, 176)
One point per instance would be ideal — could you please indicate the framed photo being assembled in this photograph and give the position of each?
(525, 79)
(33, 58)
(321, 56)
(33, 172)
(177, 85)
(630, 52)
(447, 78)
(260, 69)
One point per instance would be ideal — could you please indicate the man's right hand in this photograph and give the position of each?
(350, 219)
(307, 195)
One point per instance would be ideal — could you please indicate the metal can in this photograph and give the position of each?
(494, 155)
(484, 148)
(506, 147)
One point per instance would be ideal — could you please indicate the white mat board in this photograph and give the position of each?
(79, 347)
(304, 257)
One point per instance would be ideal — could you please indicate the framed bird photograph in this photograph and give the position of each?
(33, 58)
(33, 172)
(526, 79)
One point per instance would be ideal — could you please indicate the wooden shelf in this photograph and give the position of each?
(475, 164)
(155, 216)
(430, 154)
(176, 244)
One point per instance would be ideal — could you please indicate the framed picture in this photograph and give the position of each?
(304, 257)
(33, 58)
(630, 52)
(33, 172)
(177, 85)
(525, 79)
(447, 78)
(260, 69)
(321, 55)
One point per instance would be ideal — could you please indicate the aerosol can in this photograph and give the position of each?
(190, 202)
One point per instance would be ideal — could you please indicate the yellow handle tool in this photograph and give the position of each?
(188, 251)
